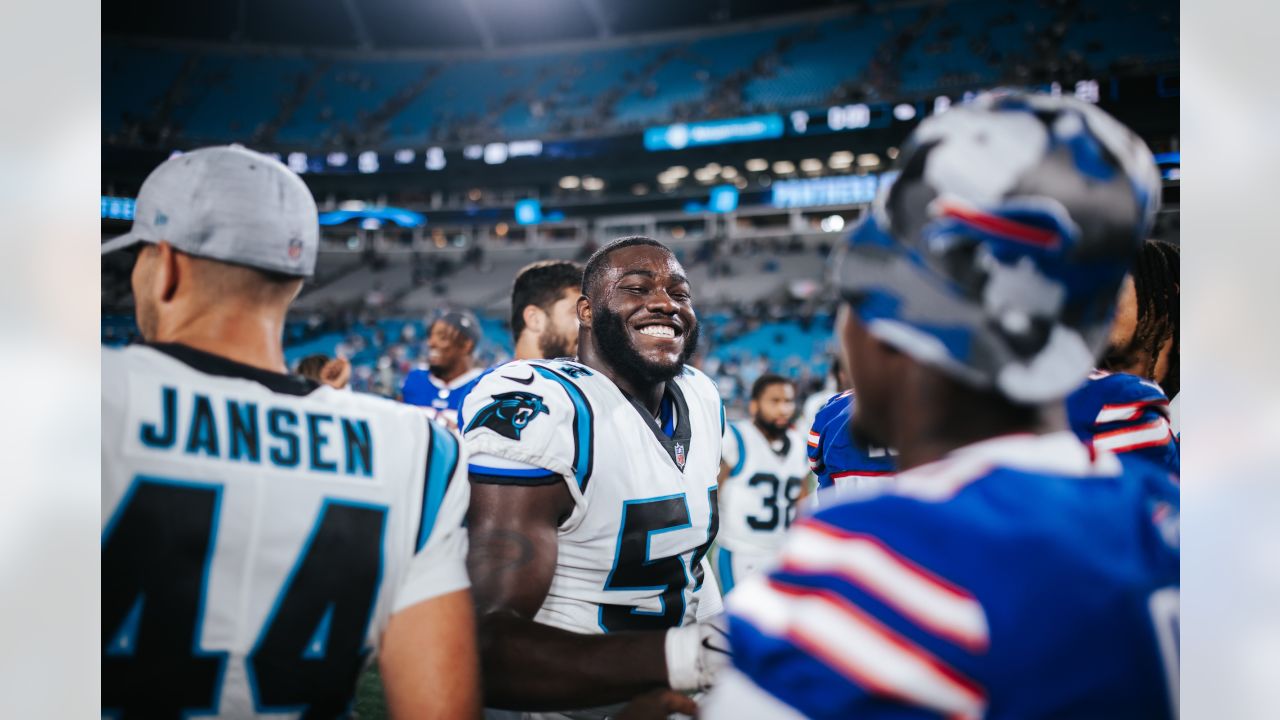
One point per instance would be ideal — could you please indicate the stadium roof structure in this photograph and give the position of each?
(393, 25)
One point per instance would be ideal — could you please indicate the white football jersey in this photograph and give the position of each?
(258, 532)
(632, 552)
(758, 498)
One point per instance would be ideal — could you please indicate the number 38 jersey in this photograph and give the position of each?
(758, 499)
(631, 553)
(258, 533)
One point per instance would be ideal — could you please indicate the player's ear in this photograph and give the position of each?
(169, 271)
(584, 310)
(535, 318)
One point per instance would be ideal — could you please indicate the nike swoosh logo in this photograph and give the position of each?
(526, 381)
(706, 643)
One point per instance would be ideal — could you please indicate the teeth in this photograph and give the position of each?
(661, 331)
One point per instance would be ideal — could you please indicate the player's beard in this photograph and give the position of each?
(614, 343)
(553, 345)
(773, 428)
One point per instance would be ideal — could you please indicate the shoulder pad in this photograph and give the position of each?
(532, 412)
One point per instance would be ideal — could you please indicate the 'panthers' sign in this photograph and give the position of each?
(509, 413)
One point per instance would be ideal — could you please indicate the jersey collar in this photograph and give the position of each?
(1058, 453)
(678, 444)
(211, 364)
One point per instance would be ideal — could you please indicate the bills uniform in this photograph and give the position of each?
(757, 499)
(1023, 576)
(441, 399)
(258, 532)
(631, 554)
(1124, 413)
(833, 456)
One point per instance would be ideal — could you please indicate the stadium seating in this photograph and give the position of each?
(320, 102)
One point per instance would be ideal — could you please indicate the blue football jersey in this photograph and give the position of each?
(1023, 576)
(833, 456)
(1124, 413)
(443, 399)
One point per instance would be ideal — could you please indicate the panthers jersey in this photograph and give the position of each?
(833, 456)
(1023, 576)
(758, 498)
(441, 399)
(258, 531)
(631, 553)
(1124, 413)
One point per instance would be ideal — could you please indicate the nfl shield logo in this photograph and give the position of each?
(679, 453)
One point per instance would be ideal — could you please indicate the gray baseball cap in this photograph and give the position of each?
(231, 204)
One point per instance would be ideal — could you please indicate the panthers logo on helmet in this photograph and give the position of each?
(509, 413)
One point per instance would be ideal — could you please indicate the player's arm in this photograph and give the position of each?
(428, 661)
(428, 658)
(528, 665)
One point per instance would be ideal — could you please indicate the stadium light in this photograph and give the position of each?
(868, 160)
(811, 165)
(435, 158)
(405, 156)
(784, 167)
(677, 172)
(495, 153)
(904, 111)
(728, 172)
(298, 162)
(367, 162)
(592, 184)
(757, 165)
(570, 182)
(892, 153)
(706, 174)
(832, 223)
(336, 159)
(840, 160)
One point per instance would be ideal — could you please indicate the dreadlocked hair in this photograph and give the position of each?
(1156, 285)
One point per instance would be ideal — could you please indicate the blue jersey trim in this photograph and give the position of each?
(511, 472)
(725, 563)
(442, 463)
(583, 421)
(742, 451)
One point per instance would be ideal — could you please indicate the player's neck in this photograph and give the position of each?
(450, 374)
(649, 395)
(253, 339)
(936, 430)
(527, 347)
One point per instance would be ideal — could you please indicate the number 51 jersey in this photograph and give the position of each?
(631, 553)
(258, 533)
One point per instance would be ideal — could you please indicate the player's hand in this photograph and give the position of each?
(658, 705)
(695, 653)
(336, 373)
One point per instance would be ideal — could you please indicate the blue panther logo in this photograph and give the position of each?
(509, 413)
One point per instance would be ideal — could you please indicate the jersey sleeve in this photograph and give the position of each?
(530, 419)
(733, 450)
(815, 445)
(1125, 414)
(439, 565)
(852, 624)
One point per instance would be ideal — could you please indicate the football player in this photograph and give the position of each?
(594, 501)
(1125, 408)
(264, 536)
(762, 475)
(544, 310)
(442, 386)
(1009, 570)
